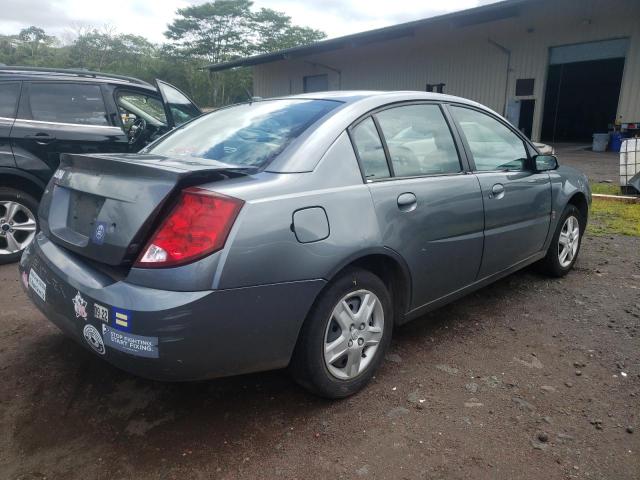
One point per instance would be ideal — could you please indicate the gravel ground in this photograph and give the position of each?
(599, 166)
(523, 379)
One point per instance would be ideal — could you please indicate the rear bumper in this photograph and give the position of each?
(167, 335)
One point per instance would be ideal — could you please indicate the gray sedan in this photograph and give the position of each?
(295, 232)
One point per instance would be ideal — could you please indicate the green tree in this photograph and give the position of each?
(34, 39)
(225, 29)
(212, 32)
(274, 31)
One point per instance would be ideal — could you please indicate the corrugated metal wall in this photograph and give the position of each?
(468, 63)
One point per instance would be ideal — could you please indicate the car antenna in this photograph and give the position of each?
(251, 97)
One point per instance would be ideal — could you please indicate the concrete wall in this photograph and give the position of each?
(464, 59)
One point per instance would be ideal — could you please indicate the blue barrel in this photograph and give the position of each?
(616, 142)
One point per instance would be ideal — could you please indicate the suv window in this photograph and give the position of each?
(181, 108)
(134, 104)
(419, 140)
(67, 103)
(370, 150)
(493, 145)
(9, 93)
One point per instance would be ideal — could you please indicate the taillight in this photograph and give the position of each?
(197, 226)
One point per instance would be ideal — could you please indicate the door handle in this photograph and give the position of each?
(497, 191)
(407, 202)
(41, 138)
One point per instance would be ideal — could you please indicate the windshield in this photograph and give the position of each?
(250, 134)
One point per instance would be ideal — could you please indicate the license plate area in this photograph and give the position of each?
(83, 212)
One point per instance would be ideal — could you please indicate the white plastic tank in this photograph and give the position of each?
(629, 160)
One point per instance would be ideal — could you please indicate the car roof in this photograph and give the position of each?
(34, 73)
(351, 96)
(308, 148)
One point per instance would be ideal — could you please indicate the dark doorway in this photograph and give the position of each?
(581, 99)
(525, 120)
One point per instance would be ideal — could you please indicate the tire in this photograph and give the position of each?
(552, 264)
(311, 367)
(18, 223)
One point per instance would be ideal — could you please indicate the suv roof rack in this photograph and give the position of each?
(71, 72)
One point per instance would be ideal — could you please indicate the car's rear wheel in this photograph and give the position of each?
(565, 245)
(344, 339)
(18, 223)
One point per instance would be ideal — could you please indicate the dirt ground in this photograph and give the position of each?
(599, 166)
(527, 378)
(523, 379)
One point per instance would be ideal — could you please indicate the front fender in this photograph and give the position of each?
(566, 183)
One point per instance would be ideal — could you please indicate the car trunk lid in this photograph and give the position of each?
(104, 207)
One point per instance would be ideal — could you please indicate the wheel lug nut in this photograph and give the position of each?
(360, 341)
(351, 343)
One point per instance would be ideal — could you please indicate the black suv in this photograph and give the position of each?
(45, 112)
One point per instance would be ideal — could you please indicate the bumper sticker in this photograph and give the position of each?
(129, 343)
(38, 285)
(121, 319)
(93, 338)
(80, 306)
(101, 312)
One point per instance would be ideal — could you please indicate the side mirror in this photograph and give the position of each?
(545, 162)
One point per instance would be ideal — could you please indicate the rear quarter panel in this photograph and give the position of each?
(263, 248)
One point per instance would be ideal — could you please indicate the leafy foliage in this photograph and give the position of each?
(202, 34)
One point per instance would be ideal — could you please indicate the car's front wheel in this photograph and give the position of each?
(344, 339)
(18, 223)
(565, 245)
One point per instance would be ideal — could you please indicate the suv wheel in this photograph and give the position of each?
(18, 223)
(344, 339)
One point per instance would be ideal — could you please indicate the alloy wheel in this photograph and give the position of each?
(568, 241)
(17, 227)
(353, 334)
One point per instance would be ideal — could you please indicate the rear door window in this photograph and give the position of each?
(419, 141)
(67, 103)
(9, 93)
(370, 150)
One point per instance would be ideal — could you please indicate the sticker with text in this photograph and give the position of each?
(101, 312)
(38, 285)
(137, 345)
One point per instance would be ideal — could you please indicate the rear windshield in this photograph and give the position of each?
(251, 134)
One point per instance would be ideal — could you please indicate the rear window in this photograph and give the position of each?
(9, 99)
(67, 103)
(251, 134)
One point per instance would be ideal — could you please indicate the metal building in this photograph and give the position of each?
(560, 70)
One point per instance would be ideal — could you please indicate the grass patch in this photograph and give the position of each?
(611, 217)
(605, 188)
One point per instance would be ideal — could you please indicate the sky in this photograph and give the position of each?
(149, 18)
